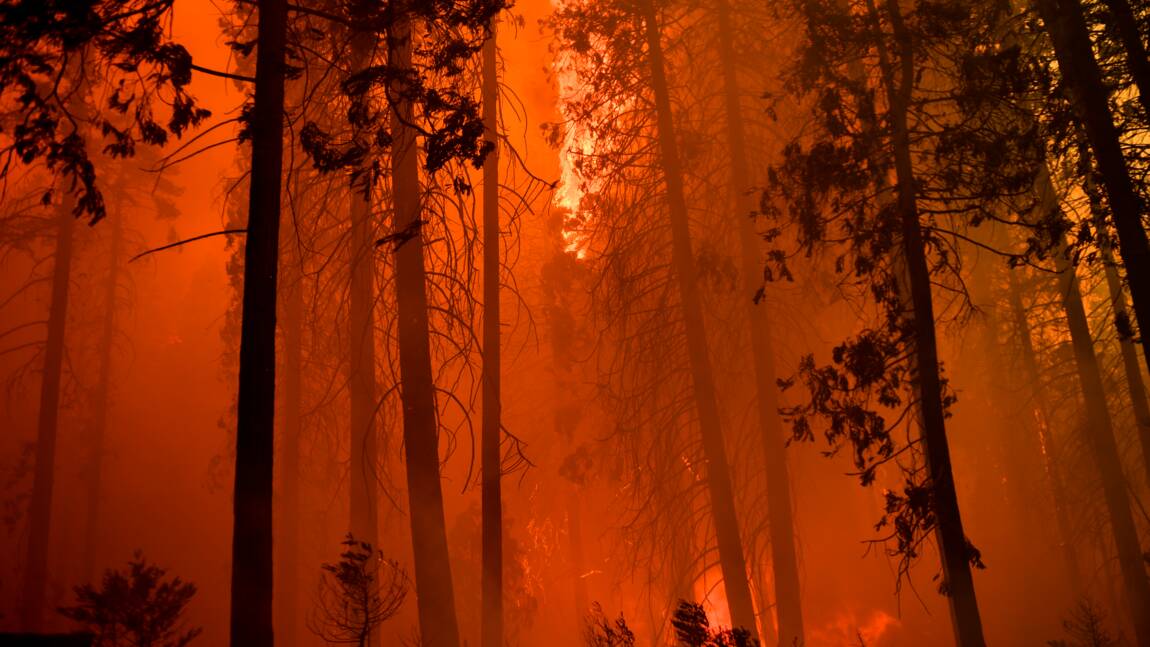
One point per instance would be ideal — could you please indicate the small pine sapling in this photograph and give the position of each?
(136, 607)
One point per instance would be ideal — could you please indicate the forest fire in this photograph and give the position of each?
(809, 324)
(577, 143)
(851, 628)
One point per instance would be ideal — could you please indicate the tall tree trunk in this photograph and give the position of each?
(1050, 454)
(767, 626)
(364, 522)
(782, 530)
(40, 506)
(1104, 451)
(491, 457)
(287, 552)
(1100, 435)
(1120, 18)
(251, 586)
(952, 545)
(731, 557)
(438, 623)
(93, 478)
(361, 375)
(1089, 96)
(1126, 346)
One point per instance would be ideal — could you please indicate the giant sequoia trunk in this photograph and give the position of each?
(251, 586)
(43, 480)
(1051, 453)
(94, 470)
(731, 558)
(782, 531)
(952, 545)
(491, 486)
(438, 624)
(1066, 24)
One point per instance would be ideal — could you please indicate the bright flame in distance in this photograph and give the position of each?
(712, 594)
(578, 141)
(849, 626)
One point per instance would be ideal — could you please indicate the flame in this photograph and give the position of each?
(711, 593)
(847, 628)
(579, 141)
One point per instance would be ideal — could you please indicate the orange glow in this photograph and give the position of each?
(849, 626)
(577, 141)
(711, 593)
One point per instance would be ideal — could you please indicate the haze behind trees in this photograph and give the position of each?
(621, 322)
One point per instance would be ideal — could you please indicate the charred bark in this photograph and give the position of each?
(251, 580)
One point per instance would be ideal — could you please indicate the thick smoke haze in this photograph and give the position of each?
(825, 317)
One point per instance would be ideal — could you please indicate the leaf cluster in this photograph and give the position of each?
(47, 50)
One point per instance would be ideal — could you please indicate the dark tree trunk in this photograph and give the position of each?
(1051, 461)
(731, 557)
(952, 545)
(364, 523)
(1104, 451)
(287, 552)
(93, 478)
(438, 623)
(1126, 346)
(1066, 24)
(782, 531)
(491, 457)
(1120, 18)
(43, 480)
(361, 375)
(1100, 435)
(251, 586)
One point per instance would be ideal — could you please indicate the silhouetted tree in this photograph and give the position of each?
(492, 454)
(632, 33)
(1065, 21)
(357, 595)
(693, 629)
(601, 632)
(1086, 628)
(47, 428)
(784, 563)
(135, 607)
